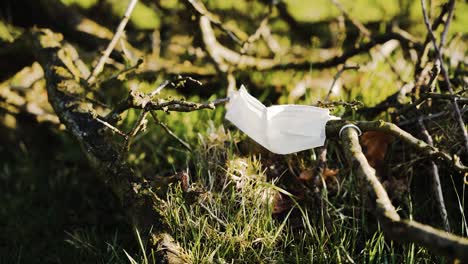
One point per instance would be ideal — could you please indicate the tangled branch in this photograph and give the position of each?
(419, 146)
(396, 228)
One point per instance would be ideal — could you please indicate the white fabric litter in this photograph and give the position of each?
(282, 129)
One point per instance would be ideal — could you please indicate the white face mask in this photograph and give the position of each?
(282, 129)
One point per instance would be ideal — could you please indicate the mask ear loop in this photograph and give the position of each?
(350, 126)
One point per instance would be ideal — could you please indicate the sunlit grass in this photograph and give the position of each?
(232, 220)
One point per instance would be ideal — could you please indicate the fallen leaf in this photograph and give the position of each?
(306, 175)
(328, 173)
(184, 180)
(281, 204)
(375, 145)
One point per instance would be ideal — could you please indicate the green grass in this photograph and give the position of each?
(51, 208)
(232, 220)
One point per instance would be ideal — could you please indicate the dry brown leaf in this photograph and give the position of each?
(306, 175)
(281, 204)
(328, 173)
(375, 145)
(184, 179)
(309, 177)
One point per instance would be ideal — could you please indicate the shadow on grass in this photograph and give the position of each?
(52, 208)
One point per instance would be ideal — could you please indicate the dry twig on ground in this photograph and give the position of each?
(396, 228)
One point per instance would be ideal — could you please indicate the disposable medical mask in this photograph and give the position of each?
(282, 129)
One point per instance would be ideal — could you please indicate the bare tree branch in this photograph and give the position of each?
(337, 76)
(113, 42)
(436, 181)
(82, 121)
(333, 127)
(222, 55)
(169, 131)
(444, 72)
(396, 228)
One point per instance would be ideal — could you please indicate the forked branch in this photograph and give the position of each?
(418, 145)
(113, 42)
(441, 242)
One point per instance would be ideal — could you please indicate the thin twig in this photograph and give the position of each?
(219, 220)
(169, 131)
(433, 96)
(393, 100)
(443, 35)
(337, 76)
(430, 117)
(138, 100)
(111, 127)
(159, 88)
(120, 73)
(183, 106)
(201, 10)
(337, 60)
(355, 104)
(436, 181)
(355, 22)
(139, 124)
(254, 37)
(427, 40)
(111, 46)
(421, 147)
(458, 98)
(181, 80)
(366, 33)
(258, 32)
(443, 70)
(224, 57)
